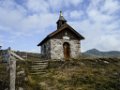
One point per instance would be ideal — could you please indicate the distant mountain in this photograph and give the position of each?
(97, 53)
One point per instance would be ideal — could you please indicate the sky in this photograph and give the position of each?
(24, 23)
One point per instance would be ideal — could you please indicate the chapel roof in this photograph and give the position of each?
(80, 37)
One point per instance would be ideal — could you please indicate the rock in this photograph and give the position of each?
(106, 62)
(21, 73)
(26, 79)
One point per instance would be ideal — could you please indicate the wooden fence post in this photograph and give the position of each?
(12, 74)
(11, 59)
(12, 70)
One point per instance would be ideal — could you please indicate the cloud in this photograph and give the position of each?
(109, 42)
(57, 5)
(72, 2)
(111, 6)
(4, 28)
(19, 22)
(37, 23)
(37, 6)
(1, 40)
(101, 30)
(31, 15)
(32, 20)
(76, 14)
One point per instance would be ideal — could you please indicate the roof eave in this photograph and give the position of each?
(82, 38)
(44, 40)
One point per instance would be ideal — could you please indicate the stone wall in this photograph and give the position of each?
(45, 50)
(75, 48)
(57, 48)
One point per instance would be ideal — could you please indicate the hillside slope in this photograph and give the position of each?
(76, 74)
(81, 74)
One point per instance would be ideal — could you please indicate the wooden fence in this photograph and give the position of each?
(11, 58)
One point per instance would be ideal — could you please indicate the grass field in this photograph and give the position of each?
(81, 74)
(74, 74)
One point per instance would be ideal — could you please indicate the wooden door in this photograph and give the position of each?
(66, 50)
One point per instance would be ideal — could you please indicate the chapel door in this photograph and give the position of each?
(66, 50)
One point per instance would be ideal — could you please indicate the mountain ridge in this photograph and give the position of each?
(98, 53)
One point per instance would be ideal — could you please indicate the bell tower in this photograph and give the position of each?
(60, 21)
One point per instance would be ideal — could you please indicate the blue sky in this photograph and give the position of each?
(24, 23)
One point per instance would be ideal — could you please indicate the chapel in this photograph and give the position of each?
(63, 43)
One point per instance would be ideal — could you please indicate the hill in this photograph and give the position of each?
(97, 53)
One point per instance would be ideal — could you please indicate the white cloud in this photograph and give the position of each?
(37, 6)
(8, 17)
(111, 6)
(1, 40)
(101, 30)
(97, 16)
(76, 14)
(108, 42)
(18, 22)
(72, 2)
(38, 23)
(100, 25)
(62, 4)
(4, 28)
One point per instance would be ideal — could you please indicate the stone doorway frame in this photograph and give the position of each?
(66, 50)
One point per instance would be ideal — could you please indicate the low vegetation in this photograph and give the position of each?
(81, 74)
(4, 83)
(75, 74)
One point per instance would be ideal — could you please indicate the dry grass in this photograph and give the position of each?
(83, 74)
